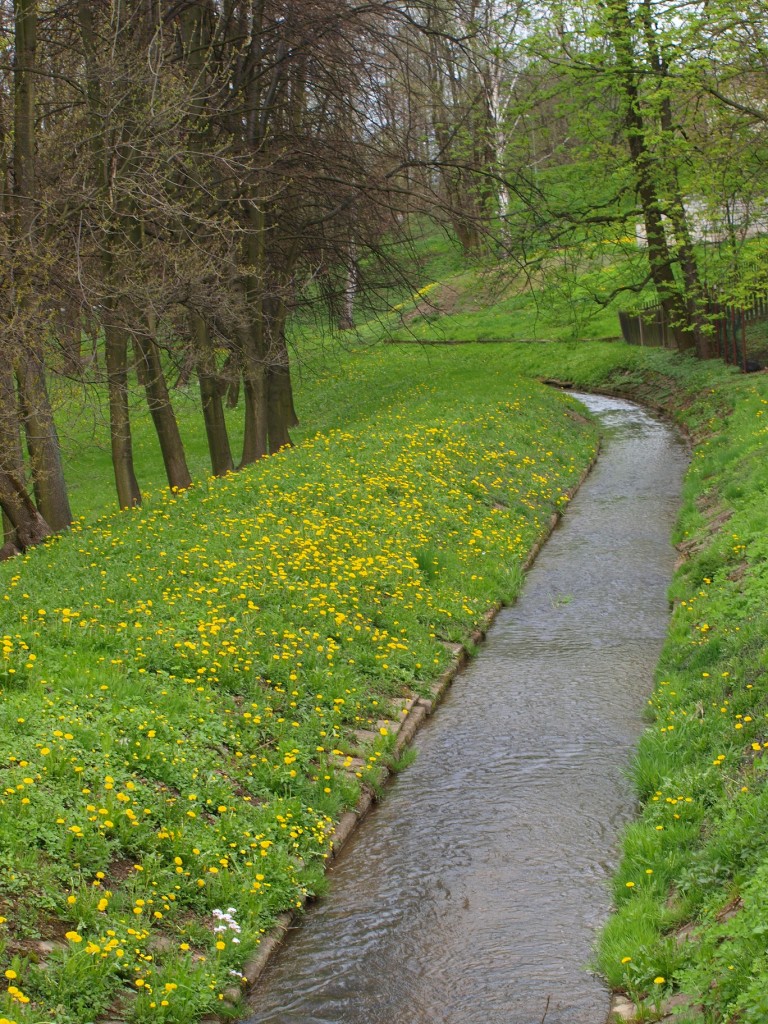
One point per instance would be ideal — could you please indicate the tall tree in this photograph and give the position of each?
(28, 320)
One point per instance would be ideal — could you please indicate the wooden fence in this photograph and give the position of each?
(647, 327)
(732, 329)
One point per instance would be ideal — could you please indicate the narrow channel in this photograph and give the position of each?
(472, 894)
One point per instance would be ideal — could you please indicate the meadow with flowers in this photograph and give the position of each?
(193, 692)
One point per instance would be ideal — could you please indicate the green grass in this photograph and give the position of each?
(83, 423)
(184, 684)
(565, 295)
(481, 306)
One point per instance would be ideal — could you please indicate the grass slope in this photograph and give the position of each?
(194, 692)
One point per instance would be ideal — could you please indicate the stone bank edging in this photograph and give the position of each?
(416, 713)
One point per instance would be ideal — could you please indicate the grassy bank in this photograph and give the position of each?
(194, 692)
(692, 911)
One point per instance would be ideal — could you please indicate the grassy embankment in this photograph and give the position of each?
(459, 303)
(691, 891)
(184, 686)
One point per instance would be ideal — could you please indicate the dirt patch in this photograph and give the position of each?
(687, 548)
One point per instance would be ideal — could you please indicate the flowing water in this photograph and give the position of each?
(471, 895)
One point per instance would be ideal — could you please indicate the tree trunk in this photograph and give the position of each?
(11, 454)
(42, 442)
(24, 526)
(668, 165)
(152, 378)
(646, 171)
(252, 340)
(281, 413)
(27, 358)
(24, 60)
(694, 291)
(212, 394)
(347, 318)
(28, 525)
(116, 353)
(255, 429)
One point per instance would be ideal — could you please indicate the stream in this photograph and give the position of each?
(472, 894)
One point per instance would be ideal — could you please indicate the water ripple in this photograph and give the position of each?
(471, 895)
